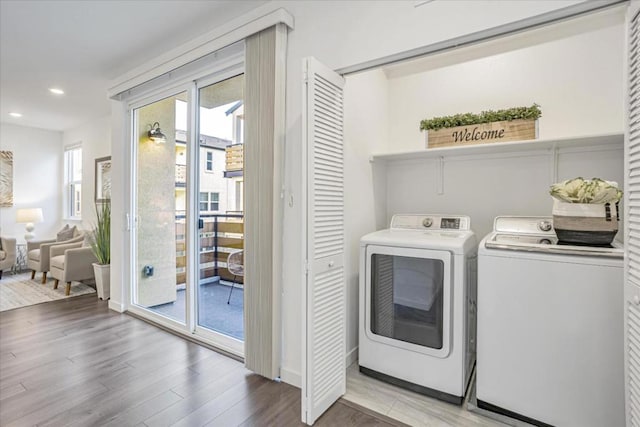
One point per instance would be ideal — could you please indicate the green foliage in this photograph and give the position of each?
(101, 235)
(488, 116)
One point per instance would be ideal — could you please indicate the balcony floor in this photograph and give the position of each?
(214, 313)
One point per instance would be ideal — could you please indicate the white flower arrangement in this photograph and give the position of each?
(591, 191)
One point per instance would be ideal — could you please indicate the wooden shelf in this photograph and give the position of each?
(614, 140)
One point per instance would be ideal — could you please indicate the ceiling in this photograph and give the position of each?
(80, 46)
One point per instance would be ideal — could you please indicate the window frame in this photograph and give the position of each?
(208, 161)
(215, 200)
(208, 198)
(72, 188)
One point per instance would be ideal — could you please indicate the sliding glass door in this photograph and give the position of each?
(188, 269)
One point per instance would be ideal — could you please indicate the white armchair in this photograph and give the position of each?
(71, 262)
(7, 253)
(39, 254)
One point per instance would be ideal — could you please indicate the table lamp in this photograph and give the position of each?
(29, 216)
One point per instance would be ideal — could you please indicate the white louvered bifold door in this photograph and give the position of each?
(324, 370)
(632, 200)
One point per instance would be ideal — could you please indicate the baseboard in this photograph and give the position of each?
(352, 357)
(116, 306)
(291, 377)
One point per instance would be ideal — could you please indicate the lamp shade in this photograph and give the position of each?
(29, 215)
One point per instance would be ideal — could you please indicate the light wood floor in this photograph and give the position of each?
(409, 407)
(76, 363)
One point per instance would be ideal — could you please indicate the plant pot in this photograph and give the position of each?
(103, 280)
(585, 223)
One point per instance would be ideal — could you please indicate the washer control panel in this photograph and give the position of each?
(539, 225)
(431, 222)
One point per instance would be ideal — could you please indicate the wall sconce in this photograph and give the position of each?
(156, 135)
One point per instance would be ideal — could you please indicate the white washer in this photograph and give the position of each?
(550, 327)
(417, 304)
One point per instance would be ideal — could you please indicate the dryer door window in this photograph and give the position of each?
(407, 299)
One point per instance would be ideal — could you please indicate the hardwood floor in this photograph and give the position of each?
(76, 363)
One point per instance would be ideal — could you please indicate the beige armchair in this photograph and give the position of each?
(7, 253)
(71, 262)
(38, 254)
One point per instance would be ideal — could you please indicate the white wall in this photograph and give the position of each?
(95, 137)
(365, 129)
(37, 178)
(120, 170)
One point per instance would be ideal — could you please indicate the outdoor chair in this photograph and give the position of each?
(235, 265)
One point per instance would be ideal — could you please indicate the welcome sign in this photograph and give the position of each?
(484, 133)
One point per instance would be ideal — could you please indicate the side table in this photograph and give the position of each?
(21, 258)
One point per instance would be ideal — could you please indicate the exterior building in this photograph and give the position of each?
(220, 168)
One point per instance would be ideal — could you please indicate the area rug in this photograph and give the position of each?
(20, 291)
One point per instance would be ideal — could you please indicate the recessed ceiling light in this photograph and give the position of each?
(56, 91)
(15, 114)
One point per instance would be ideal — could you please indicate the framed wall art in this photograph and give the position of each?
(103, 179)
(6, 179)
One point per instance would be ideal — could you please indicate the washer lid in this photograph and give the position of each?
(536, 234)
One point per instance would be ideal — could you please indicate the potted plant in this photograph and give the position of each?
(101, 246)
(512, 124)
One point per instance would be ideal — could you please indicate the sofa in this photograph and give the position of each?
(7, 253)
(71, 262)
(39, 253)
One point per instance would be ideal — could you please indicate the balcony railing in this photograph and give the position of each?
(219, 236)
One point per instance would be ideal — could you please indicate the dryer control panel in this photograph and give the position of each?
(431, 222)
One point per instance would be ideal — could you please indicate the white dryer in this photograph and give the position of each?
(417, 304)
(550, 327)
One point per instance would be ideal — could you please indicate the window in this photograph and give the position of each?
(239, 130)
(204, 202)
(209, 165)
(214, 202)
(209, 202)
(73, 182)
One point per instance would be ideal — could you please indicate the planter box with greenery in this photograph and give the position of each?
(513, 124)
(101, 246)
